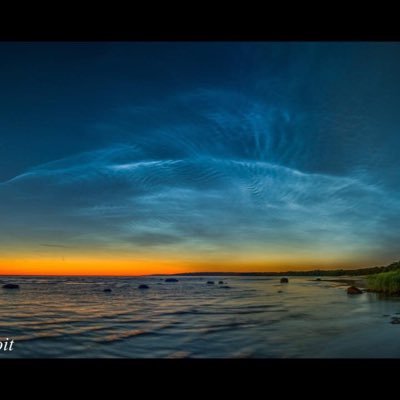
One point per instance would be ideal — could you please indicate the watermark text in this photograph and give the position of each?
(7, 345)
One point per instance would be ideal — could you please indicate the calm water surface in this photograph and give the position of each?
(255, 317)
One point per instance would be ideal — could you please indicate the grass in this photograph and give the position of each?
(385, 282)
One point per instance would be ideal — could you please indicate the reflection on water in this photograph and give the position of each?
(256, 317)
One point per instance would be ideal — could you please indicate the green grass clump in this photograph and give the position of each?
(385, 282)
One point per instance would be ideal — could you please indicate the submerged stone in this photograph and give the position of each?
(353, 290)
(10, 286)
(284, 280)
(171, 280)
(143, 287)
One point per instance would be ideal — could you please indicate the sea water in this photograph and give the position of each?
(253, 317)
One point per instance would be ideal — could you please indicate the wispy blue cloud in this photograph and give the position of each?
(228, 183)
(293, 150)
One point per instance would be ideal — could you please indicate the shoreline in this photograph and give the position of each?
(359, 281)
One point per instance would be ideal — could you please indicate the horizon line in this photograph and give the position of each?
(197, 273)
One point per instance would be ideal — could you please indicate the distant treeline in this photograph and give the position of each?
(315, 272)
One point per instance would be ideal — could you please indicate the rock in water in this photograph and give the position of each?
(10, 286)
(353, 290)
(210, 282)
(395, 320)
(143, 287)
(225, 287)
(220, 283)
(284, 280)
(107, 290)
(171, 280)
(318, 279)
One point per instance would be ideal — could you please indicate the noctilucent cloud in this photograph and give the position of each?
(211, 156)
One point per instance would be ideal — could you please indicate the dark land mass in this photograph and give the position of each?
(316, 272)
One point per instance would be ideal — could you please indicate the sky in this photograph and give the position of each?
(125, 158)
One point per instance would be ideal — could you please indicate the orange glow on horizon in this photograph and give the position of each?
(133, 267)
(87, 267)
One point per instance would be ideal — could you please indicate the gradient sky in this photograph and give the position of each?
(134, 158)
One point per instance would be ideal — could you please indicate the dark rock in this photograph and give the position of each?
(280, 291)
(318, 279)
(353, 290)
(171, 280)
(395, 320)
(220, 283)
(284, 280)
(210, 282)
(107, 290)
(225, 287)
(143, 287)
(10, 286)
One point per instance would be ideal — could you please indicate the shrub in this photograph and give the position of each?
(385, 282)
